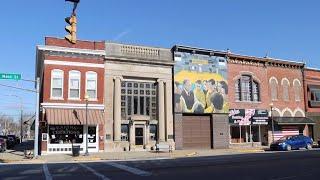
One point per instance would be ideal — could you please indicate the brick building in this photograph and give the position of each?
(312, 98)
(71, 76)
(249, 99)
(262, 87)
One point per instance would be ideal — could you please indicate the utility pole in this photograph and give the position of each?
(36, 123)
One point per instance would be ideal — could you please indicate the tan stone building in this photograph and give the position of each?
(138, 97)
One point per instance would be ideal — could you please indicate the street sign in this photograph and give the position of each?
(10, 76)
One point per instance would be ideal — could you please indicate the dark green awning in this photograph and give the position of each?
(32, 125)
(293, 120)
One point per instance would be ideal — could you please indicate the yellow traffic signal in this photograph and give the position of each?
(71, 29)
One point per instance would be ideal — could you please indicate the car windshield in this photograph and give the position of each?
(285, 138)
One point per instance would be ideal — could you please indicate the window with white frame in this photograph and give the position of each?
(56, 83)
(297, 89)
(285, 90)
(274, 89)
(91, 84)
(247, 89)
(74, 84)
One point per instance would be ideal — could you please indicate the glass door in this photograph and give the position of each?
(139, 136)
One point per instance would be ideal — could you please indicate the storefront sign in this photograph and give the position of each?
(67, 130)
(247, 117)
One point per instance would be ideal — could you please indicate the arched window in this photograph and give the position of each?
(91, 84)
(297, 89)
(287, 113)
(246, 89)
(274, 89)
(74, 84)
(285, 89)
(57, 83)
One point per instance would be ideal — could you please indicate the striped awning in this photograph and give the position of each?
(293, 120)
(74, 116)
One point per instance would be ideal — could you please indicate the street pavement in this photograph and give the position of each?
(268, 165)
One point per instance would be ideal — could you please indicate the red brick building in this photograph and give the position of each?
(72, 85)
(256, 86)
(248, 87)
(312, 98)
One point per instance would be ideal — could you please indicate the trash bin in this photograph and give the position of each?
(75, 150)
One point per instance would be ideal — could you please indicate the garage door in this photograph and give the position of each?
(196, 132)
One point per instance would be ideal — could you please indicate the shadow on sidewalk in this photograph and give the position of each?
(19, 149)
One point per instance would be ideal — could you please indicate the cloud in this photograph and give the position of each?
(122, 34)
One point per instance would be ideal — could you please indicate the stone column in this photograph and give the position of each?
(117, 109)
(161, 111)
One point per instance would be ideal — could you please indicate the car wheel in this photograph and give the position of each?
(288, 147)
(309, 146)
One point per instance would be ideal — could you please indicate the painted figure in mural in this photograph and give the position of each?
(200, 97)
(187, 96)
(178, 88)
(211, 90)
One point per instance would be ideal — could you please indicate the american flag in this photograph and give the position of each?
(286, 131)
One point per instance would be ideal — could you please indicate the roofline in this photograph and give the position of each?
(203, 50)
(81, 40)
(70, 50)
(129, 44)
(312, 69)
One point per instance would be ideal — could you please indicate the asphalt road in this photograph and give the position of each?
(268, 165)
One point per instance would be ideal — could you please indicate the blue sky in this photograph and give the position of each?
(286, 29)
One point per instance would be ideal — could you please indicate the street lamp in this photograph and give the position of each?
(272, 124)
(86, 98)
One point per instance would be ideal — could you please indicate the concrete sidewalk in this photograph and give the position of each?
(17, 157)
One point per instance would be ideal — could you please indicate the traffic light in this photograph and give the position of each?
(71, 29)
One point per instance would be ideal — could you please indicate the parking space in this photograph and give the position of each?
(21, 172)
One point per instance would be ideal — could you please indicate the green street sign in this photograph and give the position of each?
(10, 76)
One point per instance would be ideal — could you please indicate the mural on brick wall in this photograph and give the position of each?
(200, 83)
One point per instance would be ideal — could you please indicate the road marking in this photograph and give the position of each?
(94, 172)
(46, 172)
(130, 169)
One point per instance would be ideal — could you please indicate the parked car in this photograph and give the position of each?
(287, 143)
(11, 142)
(16, 139)
(3, 145)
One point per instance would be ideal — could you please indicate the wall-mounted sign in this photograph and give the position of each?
(247, 117)
(200, 83)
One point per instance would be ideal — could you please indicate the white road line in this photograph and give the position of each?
(46, 172)
(130, 169)
(94, 172)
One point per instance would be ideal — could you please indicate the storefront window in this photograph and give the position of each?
(124, 132)
(65, 134)
(153, 132)
(92, 134)
(138, 98)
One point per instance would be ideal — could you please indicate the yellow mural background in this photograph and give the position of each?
(194, 76)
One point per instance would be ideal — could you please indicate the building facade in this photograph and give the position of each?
(312, 99)
(71, 95)
(200, 98)
(138, 97)
(249, 100)
(130, 98)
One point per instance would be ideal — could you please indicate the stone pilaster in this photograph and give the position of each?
(117, 108)
(161, 111)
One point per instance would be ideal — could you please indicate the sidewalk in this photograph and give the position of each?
(17, 157)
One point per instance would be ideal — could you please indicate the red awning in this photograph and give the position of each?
(74, 116)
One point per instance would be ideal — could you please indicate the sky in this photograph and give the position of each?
(286, 29)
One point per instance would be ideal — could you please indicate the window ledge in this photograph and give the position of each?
(255, 102)
(56, 98)
(74, 99)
